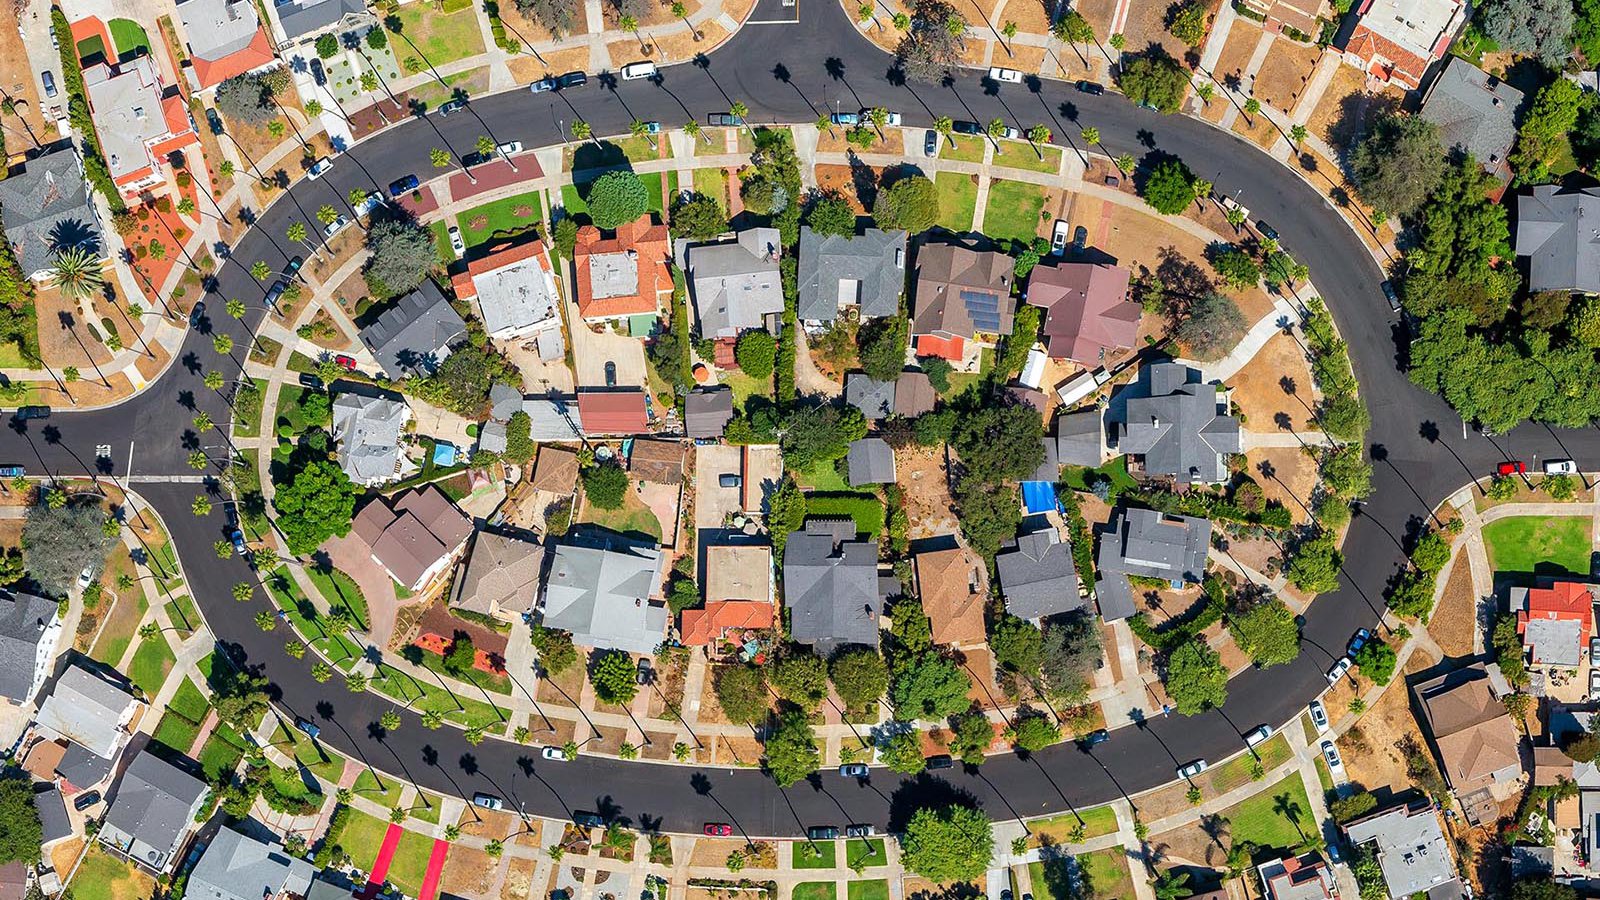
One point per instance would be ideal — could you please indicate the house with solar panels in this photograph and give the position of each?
(963, 302)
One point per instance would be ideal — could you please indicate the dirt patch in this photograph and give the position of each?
(1146, 25)
(858, 184)
(562, 689)
(490, 824)
(1284, 74)
(607, 740)
(64, 339)
(1292, 477)
(325, 333)
(1274, 389)
(1257, 128)
(28, 126)
(1455, 620)
(468, 872)
(340, 249)
(922, 474)
(709, 852)
(519, 880)
(743, 751)
(1347, 107)
(1030, 16)
(681, 45)
(65, 854)
(1371, 756)
(527, 69)
(1098, 13)
(834, 140)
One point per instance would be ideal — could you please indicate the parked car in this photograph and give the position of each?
(638, 71)
(1091, 87)
(1339, 669)
(1390, 295)
(213, 121)
(572, 80)
(1358, 640)
(611, 373)
(588, 820)
(1560, 467)
(1093, 738)
(1515, 467)
(509, 148)
(309, 727)
(35, 411)
(308, 380)
(1594, 642)
(941, 761)
(652, 127)
(725, 120)
(85, 800)
(86, 577)
(1330, 753)
(487, 801)
(318, 168)
(1267, 231)
(13, 471)
(347, 363)
(293, 266)
(1594, 683)
(860, 831)
(643, 674)
(276, 292)
(239, 546)
(554, 754)
(1058, 237)
(452, 106)
(336, 226)
(368, 204)
(892, 121)
(457, 245)
(963, 127)
(717, 829)
(1190, 770)
(1319, 716)
(403, 185)
(1004, 75)
(930, 143)
(49, 80)
(1257, 734)
(547, 83)
(1113, 181)
(1010, 133)
(822, 832)
(844, 118)
(728, 480)
(854, 770)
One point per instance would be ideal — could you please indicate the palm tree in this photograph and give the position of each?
(1090, 135)
(201, 507)
(243, 590)
(629, 23)
(71, 374)
(1205, 92)
(452, 833)
(222, 343)
(202, 422)
(259, 270)
(1038, 135)
(327, 215)
(355, 682)
(265, 620)
(638, 128)
(1170, 885)
(213, 380)
(1126, 162)
(356, 197)
(693, 130)
(957, 26)
(321, 672)
(440, 157)
(946, 126)
(1297, 134)
(199, 460)
(681, 12)
(825, 123)
(485, 146)
(76, 272)
(313, 107)
(389, 721)
(295, 649)
(902, 22)
(1202, 190)
(581, 130)
(879, 117)
(1251, 107)
(432, 720)
(1010, 31)
(997, 130)
(185, 206)
(235, 308)
(738, 110)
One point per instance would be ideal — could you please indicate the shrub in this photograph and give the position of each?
(755, 352)
(617, 198)
(605, 485)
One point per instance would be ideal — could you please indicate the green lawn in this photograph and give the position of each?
(428, 812)
(633, 517)
(815, 890)
(616, 150)
(222, 752)
(189, 702)
(340, 589)
(151, 663)
(866, 509)
(1097, 821)
(1077, 477)
(324, 765)
(867, 853)
(876, 889)
(423, 696)
(101, 876)
(1013, 210)
(497, 684)
(958, 200)
(1021, 155)
(1539, 544)
(744, 387)
(1046, 887)
(1107, 871)
(1236, 772)
(1324, 777)
(572, 198)
(339, 649)
(243, 428)
(822, 476)
(185, 618)
(177, 732)
(128, 35)
(1279, 816)
(363, 835)
(963, 147)
(714, 184)
(120, 624)
(91, 46)
(438, 37)
(388, 794)
(813, 854)
(511, 213)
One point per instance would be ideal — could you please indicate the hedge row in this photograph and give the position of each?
(1176, 631)
(94, 161)
(1211, 506)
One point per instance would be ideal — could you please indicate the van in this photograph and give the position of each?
(638, 71)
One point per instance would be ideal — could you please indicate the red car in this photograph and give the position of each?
(718, 829)
(1511, 468)
(348, 363)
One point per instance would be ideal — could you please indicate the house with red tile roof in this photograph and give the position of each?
(625, 275)
(1395, 41)
(613, 412)
(1088, 315)
(1555, 622)
(738, 586)
(140, 121)
(225, 38)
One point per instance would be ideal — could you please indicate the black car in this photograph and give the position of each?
(643, 674)
(724, 120)
(294, 265)
(588, 820)
(942, 761)
(308, 380)
(930, 143)
(1098, 736)
(960, 127)
(213, 120)
(276, 292)
(572, 80)
(860, 831)
(401, 186)
(728, 480)
(822, 832)
(1391, 296)
(33, 412)
(1091, 87)
(85, 800)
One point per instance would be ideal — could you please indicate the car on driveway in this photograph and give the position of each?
(213, 120)
(1594, 683)
(1004, 75)
(1339, 669)
(1560, 467)
(642, 673)
(487, 801)
(457, 245)
(543, 85)
(854, 770)
(1330, 755)
(554, 754)
(1090, 87)
(930, 143)
(49, 80)
(728, 480)
(717, 829)
(85, 800)
(1319, 716)
(1191, 769)
(319, 168)
(347, 363)
(1058, 237)
(86, 577)
(1514, 467)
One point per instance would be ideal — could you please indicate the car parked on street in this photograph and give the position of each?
(336, 226)
(1093, 738)
(487, 801)
(543, 85)
(1560, 467)
(963, 127)
(453, 106)
(860, 831)
(844, 118)
(35, 411)
(1389, 294)
(13, 471)
(509, 148)
(1358, 640)
(724, 120)
(318, 168)
(1090, 87)
(236, 537)
(854, 770)
(1257, 734)
(1191, 769)
(940, 761)
(1514, 467)
(1339, 669)
(822, 832)
(403, 185)
(310, 728)
(554, 754)
(893, 120)
(588, 820)
(572, 80)
(639, 70)
(1004, 75)
(717, 829)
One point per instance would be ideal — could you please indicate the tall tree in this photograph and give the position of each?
(947, 843)
(1398, 165)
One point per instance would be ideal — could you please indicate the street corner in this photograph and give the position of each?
(775, 12)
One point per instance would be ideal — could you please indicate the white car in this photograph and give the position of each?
(1560, 467)
(1257, 735)
(639, 70)
(893, 119)
(1007, 76)
(554, 754)
(372, 201)
(1319, 716)
(336, 226)
(1330, 754)
(1190, 770)
(1339, 669)
(1058, 237)
(509, 148)
(322, 166)
(487, 801)
(458, 245)
(86, 577)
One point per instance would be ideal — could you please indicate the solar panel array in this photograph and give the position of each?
(984, 308)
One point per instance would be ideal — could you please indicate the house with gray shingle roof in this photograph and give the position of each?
(735, 285)
(89, 710)
(707, 412)
(1037, 575)
(308, 18)
(870, 461)
(415, 334)
(236, 867)
(152, 810)
(1149, 544)
(368, 430)
(831, 586)
(1476, 113)
(30, 629)
(46, 207)
(1556, 230)
(874, 398)
(604, 593)
(1081, 438)
(500, 578)
(52, 808)
(867, 271)
(1177, 425)
(553, 418)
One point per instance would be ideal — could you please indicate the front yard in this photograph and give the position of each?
(1544, 545)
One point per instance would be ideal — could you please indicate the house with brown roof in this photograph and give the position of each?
(660, 462)
(914, 395)
(950, 584)
(500, 578)
(962, 296)
(625, 275)
(415, 537)
(1478, 747)
(556, 470)
(1550, 765)
(613, 412)
(1299, 19)
(1087, 313)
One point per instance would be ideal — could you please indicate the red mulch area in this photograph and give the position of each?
(493, 176)
(439, 645)
(369, 119)
(420, 202)
(438, 620)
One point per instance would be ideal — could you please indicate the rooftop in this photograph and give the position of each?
(1151, 544)
(736, 284)
(225, 38)
(962, 292)
(867, 271)
(623, 275)
(129, 116)
(1178, 425)
(831, 586)
(1088, 315)
(1475, 111)
(500, 577)
(89, 710)
(151, 808)
(25, 621)
(948, 583)
(1412, 850)
(602, 593)
(368, 431)
(707, 411)
(1037, 575)
(236, 867)
(614, 412)
(416, 333)
(412, 533)
(514, 288)
(45, 208)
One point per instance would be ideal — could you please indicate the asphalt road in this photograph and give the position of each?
(782, 74)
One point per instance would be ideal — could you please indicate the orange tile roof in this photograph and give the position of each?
(702, 626)
(649, 241)
(176, 114)
(1565, 601)
(215, 71)
(1386, 60)
(613, 412)
(466, 288)
(952, 348)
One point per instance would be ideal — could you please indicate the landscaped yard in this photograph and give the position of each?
(296, 743)
(958, 199)
(222, 752)
(1107, 871)
(866, 509)
(481, 222)
(865, 854)
(1077, 477)
(128, 35)
(1022, 155)
(963, 147)
(120, 622)
(814, 890)
(876, 889)
(1544, 545)
(572, 197)
(339, 590)
(185, 714)
(634, 517)
(1013, 210)
(441, 37)
(185, 618)
(423, 696)
(363, 835)
(386, 794)
(1279, 816)
(1097, 821)
(813, 854)
(292, 418)
(101, 876)
(714, 184)
(151, 663)
(822, 476)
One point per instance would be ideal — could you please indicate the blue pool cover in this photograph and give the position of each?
(1038, 496)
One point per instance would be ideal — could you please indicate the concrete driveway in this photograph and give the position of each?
(712, 503)
(591, 352)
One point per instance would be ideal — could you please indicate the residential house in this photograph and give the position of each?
(152, 810)
(1176, 425)
(950, 585)
(1081, 438)
(236, 867)
(607, 595)
(1555, 232)
(414, 536)
(1087, 314)
(553, 419)
(225, 38)
(15, 877)
(505, 401)
(1550, 765)
(139, 121)
(1394, 41)
(416, 334)
(874, 398)
(707, 412)
(962, 296)
(623, 277)
(1306, 877)
(831, 586)
(865, 271)
(46, 208)
(54, 823)
(614, 412)
(500, 578)
(555, 471)
(735, 285)
(739, 596)
(90, 718)
(515, 292)
(1298, 19)
(1149, 544)
(914, 395)
(1555, 622)
(1037, 575)
(870, 461)
(367, 431)
(30, 629)
(1476, 114)
(1478, 747)
(305, 20)
(1411, 849)
(660, 462)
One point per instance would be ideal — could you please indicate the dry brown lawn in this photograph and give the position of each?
(1098, 13)
(335, 253)
(1284, 73)
(528, 69)
(1146, 25)
(468, 872)
(1257, 129)
(29, 126)
(681, 45)
(1455, 621)
(834, 141)
(713, 852)
(490, 824)
(1259, 388)
(60, 345)
(1294, 475)
(1241, 42)
(1030, 15)
(519, 880)
(1370, 755)
(1346, 106)
(843, 180)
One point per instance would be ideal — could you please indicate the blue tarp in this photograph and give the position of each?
(1038, 496)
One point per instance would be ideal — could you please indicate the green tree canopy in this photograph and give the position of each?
(821, 434)
(1153, 78)
(911, 204)
(755, 352)
(1196, 679)
(317, 502)
(947, 843)
(1210, 325)
(791, 748)
(1266, 630)
(742, 692)
(1000, 443)
(859, 675)
(1170, 188)
(801, 677)
(1376, 660)
(613, 675)
(402, 252)
(1314, 565)
(617, 198)
(698, 217)
(902, 750)
(832, 215)
(1398, 164)
(59, 542)
(883, 347)
(605, 485)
